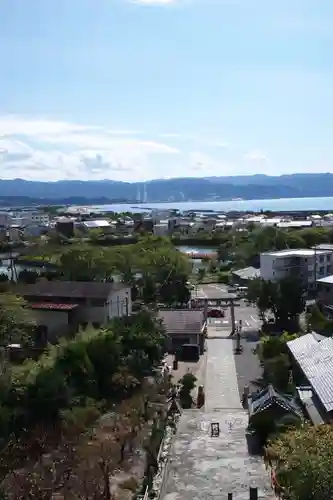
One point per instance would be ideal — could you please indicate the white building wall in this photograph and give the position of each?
(267, 262)
(29, 217)
(120, 303)
(94, 314)
(5, 219)
(161, 230)
(274, 267)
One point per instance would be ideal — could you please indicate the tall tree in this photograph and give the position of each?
(304, 459)
(16, 320)
(284, 299)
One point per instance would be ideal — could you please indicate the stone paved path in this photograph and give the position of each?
(221, 385)
(202, 467)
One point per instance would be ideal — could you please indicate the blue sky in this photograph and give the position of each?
(130, 90)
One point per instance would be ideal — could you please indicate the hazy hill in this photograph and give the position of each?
(180, 189)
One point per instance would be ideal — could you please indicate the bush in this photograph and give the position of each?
(187, 383)
(70, 380)
(223, 277)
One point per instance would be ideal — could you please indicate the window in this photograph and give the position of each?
(321, 258)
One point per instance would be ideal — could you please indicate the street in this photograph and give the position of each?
(211, 291)
(244, 313)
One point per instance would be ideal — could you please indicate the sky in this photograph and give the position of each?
(140, 89)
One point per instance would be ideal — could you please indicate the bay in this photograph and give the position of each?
(276, 205)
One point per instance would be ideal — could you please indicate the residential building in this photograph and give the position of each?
(325, 291)
(312, 356)
(243, 276)
(5, 219)
(61, 306)
(161, 229)
(30, 216)
(184, 326)
(307, 265)
(65, 226)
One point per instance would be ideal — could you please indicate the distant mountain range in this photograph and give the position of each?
(247, 187)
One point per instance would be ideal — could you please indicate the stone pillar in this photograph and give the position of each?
(229, 496)
(206, 309)
(232, 315)
(253, 493)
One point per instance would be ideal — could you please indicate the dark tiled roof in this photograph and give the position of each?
(182, 321)
(270, 396)
(70, 289)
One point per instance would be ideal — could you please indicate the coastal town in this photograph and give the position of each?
(166, 355)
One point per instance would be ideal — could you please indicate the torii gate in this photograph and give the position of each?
(218, 301)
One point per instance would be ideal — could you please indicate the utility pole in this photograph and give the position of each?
(12, 266)
(315, 270)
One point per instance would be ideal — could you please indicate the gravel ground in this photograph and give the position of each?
(247, 364)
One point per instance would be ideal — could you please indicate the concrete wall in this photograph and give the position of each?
(56, 323)
(267, 262)
(308, 268)
(118, 304)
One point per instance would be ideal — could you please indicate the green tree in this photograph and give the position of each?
(27, 276)
(201, 274)
(284, 299)
(273, 346)
(16, 320)
(86, 264)
(314, 236)
(187, 384)
(304, 459)
(318, 322)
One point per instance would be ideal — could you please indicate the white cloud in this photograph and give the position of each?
(256, 156)
(41, 149)
(50, 150)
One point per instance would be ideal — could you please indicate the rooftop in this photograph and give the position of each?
(302, 252)
(182, 321)
(69, 289)
(316, 361)
(247, 273)
(91, 224)
(328, 280)
(268, 397)
(50, 306)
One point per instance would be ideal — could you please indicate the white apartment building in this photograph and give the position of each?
(305, 264)
(26, 217)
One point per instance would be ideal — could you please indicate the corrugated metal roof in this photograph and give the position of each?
(96, 223)
(316, 361)
(301, 346)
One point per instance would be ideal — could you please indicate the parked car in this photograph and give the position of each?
(216, 313)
